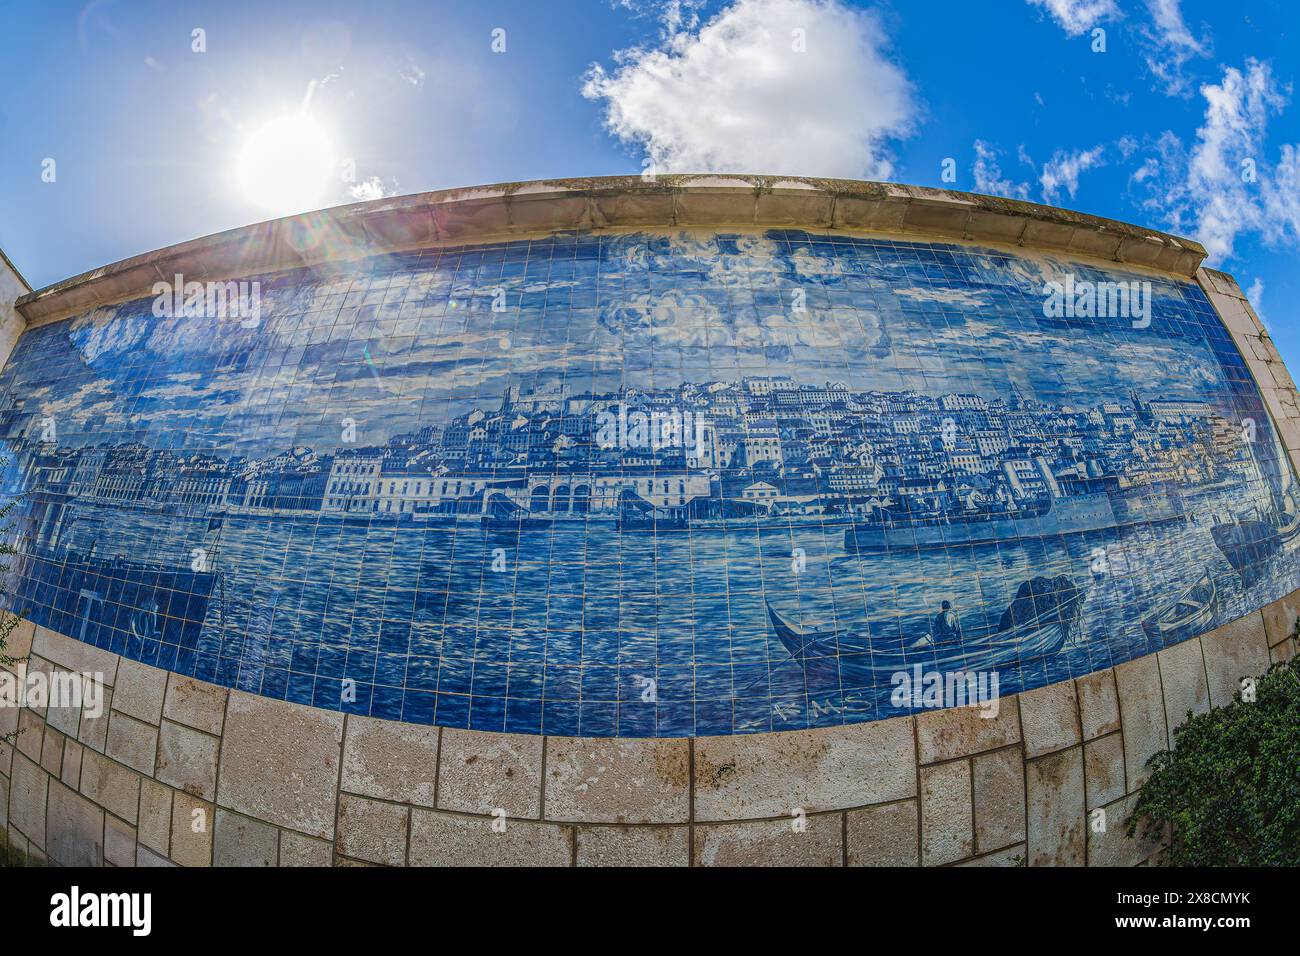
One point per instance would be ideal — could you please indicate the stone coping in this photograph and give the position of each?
(515, 210)
(6, 261)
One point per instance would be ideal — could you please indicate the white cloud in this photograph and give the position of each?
(1281, 194)
(1064, 169)
(1077, 17)
(1169, 44)
(1163, 37)
(411, 73)
(800, 87)
(372, 188)
(675, 15)
(988, 175)
(1222, 186)
(948, 296)
(1255, 294)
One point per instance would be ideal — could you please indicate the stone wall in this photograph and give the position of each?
(179, 772)
(12, 286)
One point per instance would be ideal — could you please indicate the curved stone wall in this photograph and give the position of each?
(181, 772)
(631, 498)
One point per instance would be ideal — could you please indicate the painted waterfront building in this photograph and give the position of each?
(748, 465)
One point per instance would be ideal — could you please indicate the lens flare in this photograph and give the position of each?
(286, 165)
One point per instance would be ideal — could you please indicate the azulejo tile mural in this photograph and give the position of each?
(647, 484)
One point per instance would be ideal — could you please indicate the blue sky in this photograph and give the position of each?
(146, 134)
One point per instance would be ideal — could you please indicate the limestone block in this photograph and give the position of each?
(280, 763)
(617, 781)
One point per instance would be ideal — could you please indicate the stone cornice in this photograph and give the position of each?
(512, 210)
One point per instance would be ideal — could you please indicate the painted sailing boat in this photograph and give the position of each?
(1188, 614)
(1248, 541)
(1037, 624)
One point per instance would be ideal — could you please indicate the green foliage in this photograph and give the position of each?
(1228, 794)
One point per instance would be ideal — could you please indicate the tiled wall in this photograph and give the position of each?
(180, 771)
(432, 487)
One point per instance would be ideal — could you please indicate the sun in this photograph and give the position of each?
(286, 165)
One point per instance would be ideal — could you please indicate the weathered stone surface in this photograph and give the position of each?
(947, 817)
(195, 703)
(31, 734)
(18, 846)
(74, 828)
(52, 752)
(187, 760)
(192, 822)
(748, 776)
(1279, 618)
(9, 711)
(119, 842)
(66, 717)
(109, 784)
(241, 841)
(1098, 704)
(19, 644)
(133, 743)
(999, 798)
(93, 730)
(138, 691)
(147, 857)
(633, 846)
(1055, 805)
(280, 763)
(962, 731)
(1103, 770)
(390, 760)
(1142, 707)
(483, 773)
(1280, 653)
(883, 835)
(617, 781)
(297, 849)
(1011, 856)
(772, 842)
(1113, 846)
(74, 655)
(371, 830)
(447, 839)
(71, 772)
(1049, 718)
(1182, 675)
(155, 823)
(1232, 652)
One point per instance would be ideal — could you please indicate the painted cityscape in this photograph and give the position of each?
(645, 484)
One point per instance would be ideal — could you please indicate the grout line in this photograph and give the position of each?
(690, 803)
(338, 782)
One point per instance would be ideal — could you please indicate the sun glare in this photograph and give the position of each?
(286, 165)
